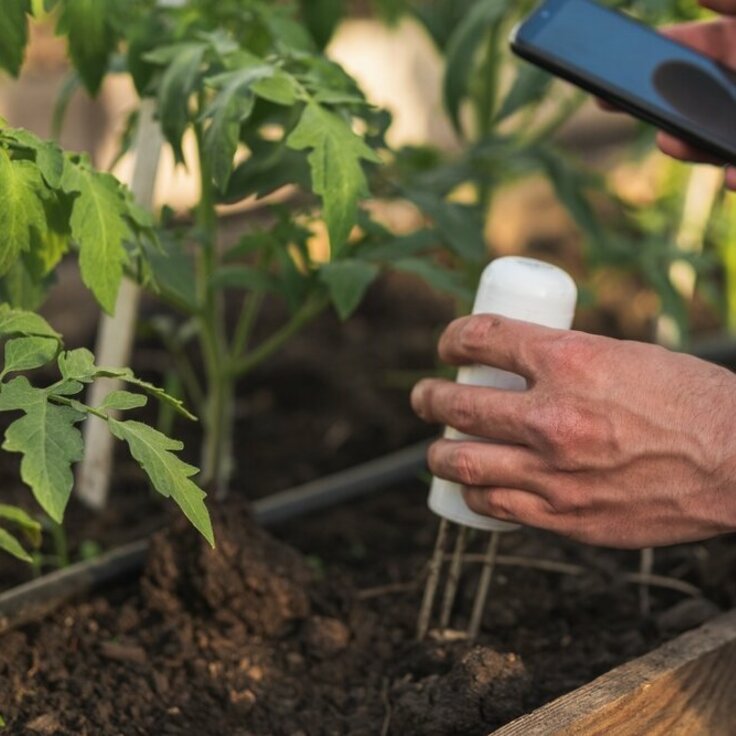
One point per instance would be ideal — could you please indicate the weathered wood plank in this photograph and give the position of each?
(686, 687)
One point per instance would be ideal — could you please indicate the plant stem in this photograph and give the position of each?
(217, 417)
(485, 102)
(307, 313)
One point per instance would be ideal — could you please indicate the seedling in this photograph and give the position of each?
(520, 288)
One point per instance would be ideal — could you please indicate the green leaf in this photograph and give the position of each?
(13, 34)
(461, 226)
(91, 38)
(279, 88)
(347, 281)
(49, 157)
(462, 49)
(99, 226)
(19, 322)
(21, 208)
(122, 401)
(177, 84)
(322, 18)
(79, 365)
(49, 441)
(232, 105)
(9, 544)
(436, 276)
(335, 162)
(31, 528)
(173, 271)
(27, 353)
(529, 87)
(169, 475)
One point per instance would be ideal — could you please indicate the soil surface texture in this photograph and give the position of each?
(317, 637)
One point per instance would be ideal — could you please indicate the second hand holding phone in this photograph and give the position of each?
(635, 68)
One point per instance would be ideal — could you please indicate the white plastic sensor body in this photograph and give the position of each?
(523, 289)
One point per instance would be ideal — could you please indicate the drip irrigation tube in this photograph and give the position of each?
(30, 601)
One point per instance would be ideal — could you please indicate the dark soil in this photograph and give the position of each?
(257, 638)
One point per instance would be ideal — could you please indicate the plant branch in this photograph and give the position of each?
(302, 317)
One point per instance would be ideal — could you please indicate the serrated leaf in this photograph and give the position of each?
(99, 226)
(347, 281)
(49, 157)
(122, 401)
(27, 353)
(335, 157)
(169, 475)
(49, 441)
(177, 84)
(90, 37)
(21, 208)
(79, 365)
(13, 34)
(9, 544)
(279, 88)
(462, 49)
(31, 528)
(20, 322)
(231, 106)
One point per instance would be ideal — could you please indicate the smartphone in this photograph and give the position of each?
(636, 68)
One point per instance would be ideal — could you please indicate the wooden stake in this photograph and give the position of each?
(433, 579)
(484, 584)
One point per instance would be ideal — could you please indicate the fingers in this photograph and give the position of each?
(483, 464)
(682, 151)
(724, 7)
(513, 505)
(485, 412)
(714, 39)
(490, 339)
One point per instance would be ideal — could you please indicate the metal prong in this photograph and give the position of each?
(484, 583)
(453, 576)
(646, 565)
(433, 579)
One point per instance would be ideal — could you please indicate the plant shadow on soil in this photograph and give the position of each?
(311, 631)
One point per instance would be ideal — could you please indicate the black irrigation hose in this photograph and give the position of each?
(30, 601)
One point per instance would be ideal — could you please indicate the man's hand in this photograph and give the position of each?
(614, 443)
(718, 40)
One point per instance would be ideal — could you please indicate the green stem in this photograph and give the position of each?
(486, 102)
(567, 108)
(217, 416)
(61, 546)
(269, 346)
(251, 307)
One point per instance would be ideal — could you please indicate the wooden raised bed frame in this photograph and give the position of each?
(686, 687)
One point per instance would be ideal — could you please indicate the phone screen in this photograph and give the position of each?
(635, 62)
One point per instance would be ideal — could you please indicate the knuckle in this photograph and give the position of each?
(464, 465)
(463, 409)
(571, 352)
(563, 429)
(475, 333)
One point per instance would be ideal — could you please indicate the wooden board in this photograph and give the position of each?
(686, 687)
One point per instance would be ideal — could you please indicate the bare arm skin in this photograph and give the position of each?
(614, 443)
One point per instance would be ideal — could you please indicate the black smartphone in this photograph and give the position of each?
(636, 68)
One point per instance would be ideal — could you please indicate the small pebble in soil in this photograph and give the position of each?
(325, 637)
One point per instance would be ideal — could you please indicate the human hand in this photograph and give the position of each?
(716, 39)
(615, 443)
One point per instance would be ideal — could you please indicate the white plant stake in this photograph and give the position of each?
(523, 289)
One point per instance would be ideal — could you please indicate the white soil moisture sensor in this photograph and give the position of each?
(523, 289)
